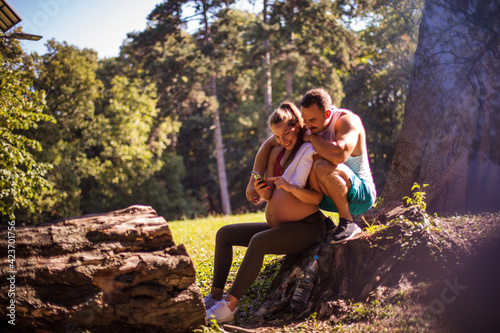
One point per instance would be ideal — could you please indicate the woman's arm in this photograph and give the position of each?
(266, 191)
(312, 195)
(260, 163)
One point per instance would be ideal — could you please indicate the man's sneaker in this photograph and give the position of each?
(345, 231)
(209, 301)
(330, 226)
(220, 312)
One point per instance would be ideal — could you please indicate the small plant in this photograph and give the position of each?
(378, 203)
(373, 227)
(312, 319)
(418, 197)
(213, 327)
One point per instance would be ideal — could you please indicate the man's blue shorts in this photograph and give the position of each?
(359, 197)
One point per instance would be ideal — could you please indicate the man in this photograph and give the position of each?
(341, 165)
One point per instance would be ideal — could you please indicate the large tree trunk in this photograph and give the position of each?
(451, 128)
(113, 272)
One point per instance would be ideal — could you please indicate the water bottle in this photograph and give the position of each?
(306, 283)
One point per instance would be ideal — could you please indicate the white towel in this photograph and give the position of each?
(298, 170)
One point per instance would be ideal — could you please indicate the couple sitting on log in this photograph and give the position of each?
(317, 160)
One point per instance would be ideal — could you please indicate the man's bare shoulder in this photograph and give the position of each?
(348, 119)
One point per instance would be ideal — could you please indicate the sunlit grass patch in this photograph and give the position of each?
(198, 236)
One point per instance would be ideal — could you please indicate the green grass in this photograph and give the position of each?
(199, 238)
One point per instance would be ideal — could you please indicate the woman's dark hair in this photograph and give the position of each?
(289, 113)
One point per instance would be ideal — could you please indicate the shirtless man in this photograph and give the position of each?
(342, 166)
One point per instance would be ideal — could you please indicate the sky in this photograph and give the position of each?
(101, 25)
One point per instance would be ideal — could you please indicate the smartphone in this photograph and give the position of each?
(257, 176)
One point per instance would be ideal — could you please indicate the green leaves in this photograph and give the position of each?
(139, 128)
(106, 150)
(418, 198)
(21, 175)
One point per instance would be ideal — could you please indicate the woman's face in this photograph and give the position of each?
(285, 134)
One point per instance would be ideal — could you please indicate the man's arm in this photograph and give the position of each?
(259, 165)
(346, 138)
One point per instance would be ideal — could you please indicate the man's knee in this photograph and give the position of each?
(329, 173)
(324, 168)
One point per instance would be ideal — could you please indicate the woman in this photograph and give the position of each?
(294, 221)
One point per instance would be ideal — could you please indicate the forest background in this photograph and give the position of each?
(176, 119)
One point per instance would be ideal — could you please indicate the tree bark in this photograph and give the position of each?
(290, 67)
(221, 164)
(350, 270)
(451, 129)
(268, 108)
(114, 272)
(219, 146)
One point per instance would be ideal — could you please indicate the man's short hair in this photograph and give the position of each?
(319, 97)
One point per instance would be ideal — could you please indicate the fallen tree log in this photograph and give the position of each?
(112, 272)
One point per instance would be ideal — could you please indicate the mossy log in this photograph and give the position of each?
(114, 272)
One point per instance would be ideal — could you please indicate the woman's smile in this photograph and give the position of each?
(288, 145)
(285, 134)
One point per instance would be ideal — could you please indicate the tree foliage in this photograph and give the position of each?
(141, 127)
(21, 109)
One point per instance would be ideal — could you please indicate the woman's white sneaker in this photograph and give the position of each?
(220, 312)
(209, 301)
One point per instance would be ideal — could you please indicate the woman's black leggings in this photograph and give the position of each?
(261, 239)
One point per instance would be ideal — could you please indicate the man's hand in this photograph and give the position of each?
(307, 136)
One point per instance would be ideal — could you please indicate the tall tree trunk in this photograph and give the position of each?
(219, 147)
(267, 69)
(289, 80)
(451, 129)
(290, 66)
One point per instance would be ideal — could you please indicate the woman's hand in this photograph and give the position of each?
(281, 183)
(263, 190)
(251, 193)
